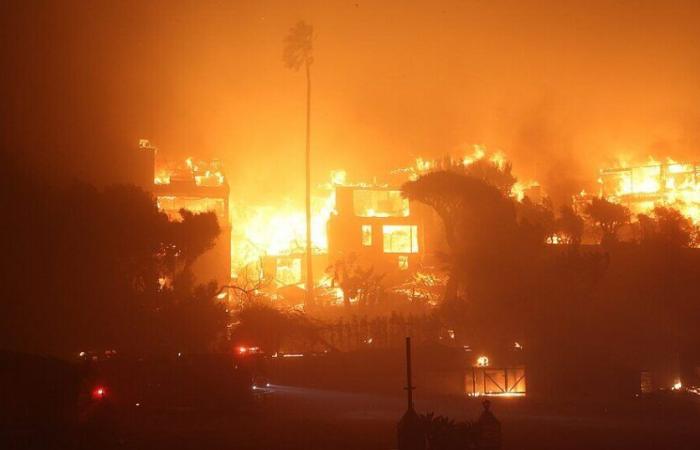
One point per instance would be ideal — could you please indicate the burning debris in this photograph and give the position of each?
(261, 231)
(204, 173)
(642, 188)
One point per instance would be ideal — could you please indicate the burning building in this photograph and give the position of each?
(378, 225)
(641, 188)
(371, 221)
(269, 240)
(198, 187)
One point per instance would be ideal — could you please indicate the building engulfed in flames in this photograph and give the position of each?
(373, 222)
(369, 221)
(377, 224)
(641, 188)
(269, 240)
(382, 230)
(198, 187)
(265, 244)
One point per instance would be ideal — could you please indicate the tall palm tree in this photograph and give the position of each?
(298, 54)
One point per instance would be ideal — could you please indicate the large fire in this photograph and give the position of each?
(203, 173)
(278, 230)
(643, 187)
(479, 153)
(263, 230)
(259, 231)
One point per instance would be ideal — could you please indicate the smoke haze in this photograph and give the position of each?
(563, 89)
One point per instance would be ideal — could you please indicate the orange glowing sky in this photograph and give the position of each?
(561, 87)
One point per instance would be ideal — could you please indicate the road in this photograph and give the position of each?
(524, 426)
(293, 417)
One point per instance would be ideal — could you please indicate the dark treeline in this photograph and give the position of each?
(96, 269)
(629, 303)
(89, 269)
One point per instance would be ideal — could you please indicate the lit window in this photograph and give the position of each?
(379, 203)
(400, 238)
(367, 235)
(403, 262)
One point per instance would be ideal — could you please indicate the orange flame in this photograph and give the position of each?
(643, 187)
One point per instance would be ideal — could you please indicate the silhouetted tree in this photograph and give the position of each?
(476, 217)
(497, 175)
(488, 246)
(463, 203)
(666, 226)
(608, 216)
(193, 235)
(190, 321)
(99, 259)
(569, 226)
(538, 217)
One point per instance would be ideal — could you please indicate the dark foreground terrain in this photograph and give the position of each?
(213, 402)
(288, 417)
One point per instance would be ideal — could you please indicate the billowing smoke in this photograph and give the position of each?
(562, 89)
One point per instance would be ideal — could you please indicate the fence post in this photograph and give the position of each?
(410, 432)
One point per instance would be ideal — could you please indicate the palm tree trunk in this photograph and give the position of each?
(309, 300)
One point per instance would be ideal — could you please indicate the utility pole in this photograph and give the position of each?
(410, 432)
(409, 381)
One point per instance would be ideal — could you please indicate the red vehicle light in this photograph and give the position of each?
(99, 393)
